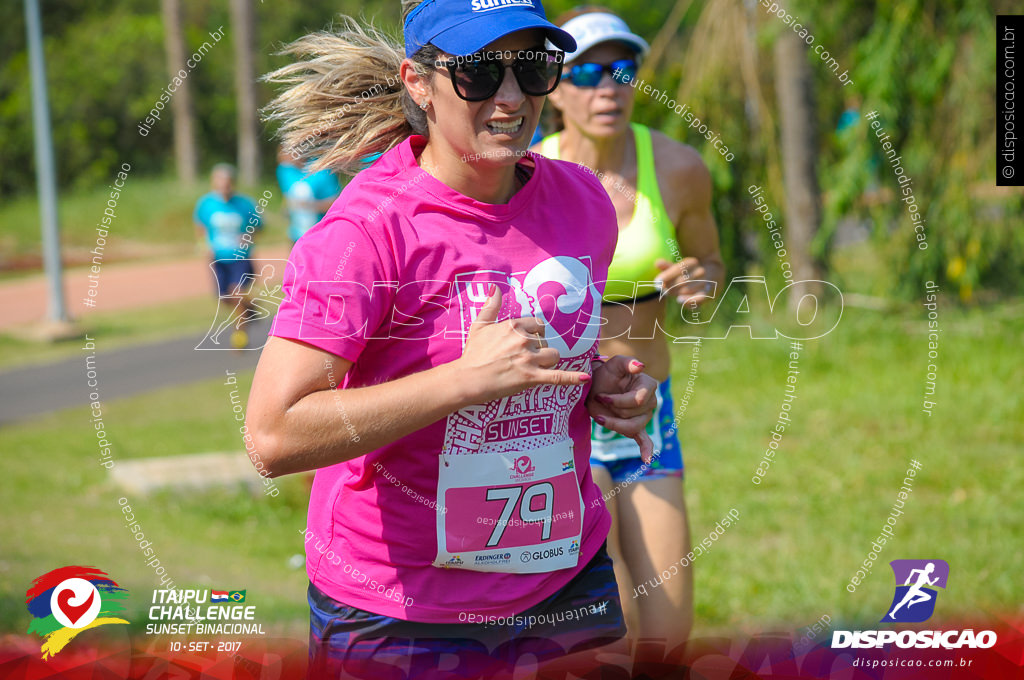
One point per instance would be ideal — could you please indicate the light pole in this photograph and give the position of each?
(45, 177)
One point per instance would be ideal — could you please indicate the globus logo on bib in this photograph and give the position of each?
(541, 554)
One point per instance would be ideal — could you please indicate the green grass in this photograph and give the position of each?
(231, 539)
(802, 533)
(856, 424)
(153, 216)
(114, 329)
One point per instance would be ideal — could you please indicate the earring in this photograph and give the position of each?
(425, 104)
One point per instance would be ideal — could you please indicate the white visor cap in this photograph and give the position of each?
(598, 27)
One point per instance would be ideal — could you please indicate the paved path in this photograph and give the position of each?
(25, 392)
(121, 286)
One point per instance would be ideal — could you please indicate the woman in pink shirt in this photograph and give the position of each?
(434, 359)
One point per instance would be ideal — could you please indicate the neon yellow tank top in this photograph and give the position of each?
(650, 233)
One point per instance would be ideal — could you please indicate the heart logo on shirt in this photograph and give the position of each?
(561, 291)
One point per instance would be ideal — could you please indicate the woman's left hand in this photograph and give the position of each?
(623, 398)
(687, 280)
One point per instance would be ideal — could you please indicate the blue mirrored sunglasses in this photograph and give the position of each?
(589, 74)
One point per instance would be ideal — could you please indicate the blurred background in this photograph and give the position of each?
(927, 68)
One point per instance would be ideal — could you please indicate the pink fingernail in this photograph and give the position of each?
(636, 363)
(601, 357)
(604, 399)
(584, 379)
(599, 419)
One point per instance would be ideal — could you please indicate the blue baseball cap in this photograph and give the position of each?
(461, 27)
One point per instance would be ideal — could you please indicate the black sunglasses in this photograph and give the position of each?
(477, 77)
(589, 75)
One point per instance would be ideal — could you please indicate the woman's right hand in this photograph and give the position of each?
(501, 359)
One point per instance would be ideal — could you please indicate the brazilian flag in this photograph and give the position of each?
(237, 596)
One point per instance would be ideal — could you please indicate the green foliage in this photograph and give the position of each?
(106, 68)
(154, 216)
(926, 66)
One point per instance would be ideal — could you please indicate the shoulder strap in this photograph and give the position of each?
(650, 206)
(646, 177)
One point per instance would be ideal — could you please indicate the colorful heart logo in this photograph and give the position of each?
(73, 612)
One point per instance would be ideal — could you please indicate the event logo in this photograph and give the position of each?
(523, 466)
(66, 601)
(914, 601)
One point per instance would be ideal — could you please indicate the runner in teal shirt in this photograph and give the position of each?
(309, 195)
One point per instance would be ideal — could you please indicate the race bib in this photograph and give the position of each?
(514, 512)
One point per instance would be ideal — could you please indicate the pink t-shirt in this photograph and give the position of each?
(390, 279)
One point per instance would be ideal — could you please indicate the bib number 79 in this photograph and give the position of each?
(511, 496)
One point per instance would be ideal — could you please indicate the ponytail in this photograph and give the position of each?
(346, 101)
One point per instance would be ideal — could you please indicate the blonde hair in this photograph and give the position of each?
(345, 100)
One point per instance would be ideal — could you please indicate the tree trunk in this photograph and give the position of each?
(244, 24)
(794, 91)
(185, 159)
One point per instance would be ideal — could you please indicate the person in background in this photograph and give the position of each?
(309, 195)
(661, 191)
(227, 221)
